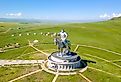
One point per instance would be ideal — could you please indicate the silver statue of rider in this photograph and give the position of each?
(62, 42)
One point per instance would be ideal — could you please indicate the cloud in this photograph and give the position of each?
(106, 16)
(14, 14)
(116, 15)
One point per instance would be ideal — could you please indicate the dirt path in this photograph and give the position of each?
(27, 54)
(87, 79)
(6, 31)
(25, 75)
(116, 60)
(78, 45)
(104, 60)
(102, 49)
(104, 72)
(15, 48)
(55, 78)
(40, 50)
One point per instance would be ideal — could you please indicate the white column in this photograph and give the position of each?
(68, 67)
(60, 67)
(74, 66)
(71, 66)
(64, 67)
(78, 64)
(56, 66)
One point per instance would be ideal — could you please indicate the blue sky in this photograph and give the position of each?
(60, 9)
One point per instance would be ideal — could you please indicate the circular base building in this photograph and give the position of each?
(65, 62)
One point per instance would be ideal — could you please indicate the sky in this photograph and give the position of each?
(60, 9)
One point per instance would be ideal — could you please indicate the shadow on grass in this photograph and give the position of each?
(84, 62)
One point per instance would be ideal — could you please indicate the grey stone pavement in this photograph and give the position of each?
(15, 62)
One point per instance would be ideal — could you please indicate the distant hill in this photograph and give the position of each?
(116, 18)
(17, 20)
(46, 20)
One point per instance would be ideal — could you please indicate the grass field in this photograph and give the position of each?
(105, 36)
(8, 73)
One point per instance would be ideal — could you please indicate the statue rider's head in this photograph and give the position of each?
(62, 30)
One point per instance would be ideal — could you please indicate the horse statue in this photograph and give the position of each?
(62, 44)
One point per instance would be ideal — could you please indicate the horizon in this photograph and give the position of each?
(60, 9)
(51, 21)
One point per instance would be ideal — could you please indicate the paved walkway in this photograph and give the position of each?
(14, 62)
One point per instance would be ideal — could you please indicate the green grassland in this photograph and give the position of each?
(105, 35)
(38, 77)
(9, 73)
